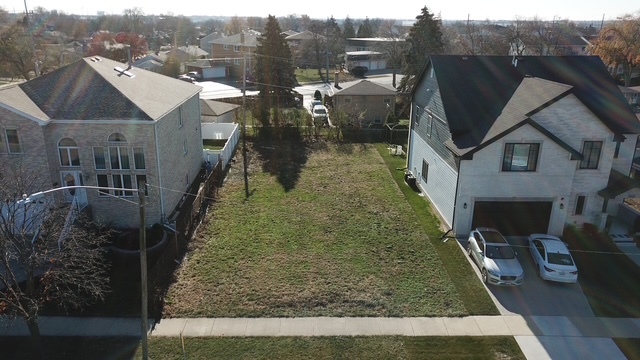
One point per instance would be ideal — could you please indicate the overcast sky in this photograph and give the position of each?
(319, 9)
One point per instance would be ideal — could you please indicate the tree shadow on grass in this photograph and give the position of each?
(283, 154)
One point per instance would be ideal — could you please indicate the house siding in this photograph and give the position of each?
(441, 183)
(108, 209)
(32, 160)
(482, 179)
(577, 125)
(218, 52)
(175, 165)
(427, 98)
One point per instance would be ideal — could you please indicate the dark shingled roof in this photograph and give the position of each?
(477, 89)
(90, 89)
(618, 183)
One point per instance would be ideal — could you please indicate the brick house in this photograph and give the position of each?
(94, 123)
(233, 48)
(373, 101)
(525, 145)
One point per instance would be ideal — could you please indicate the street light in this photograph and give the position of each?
(143, 251)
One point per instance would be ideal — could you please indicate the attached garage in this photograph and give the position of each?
(513, 218)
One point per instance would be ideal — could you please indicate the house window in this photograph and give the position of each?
(118, 152)
(138, 158)
(122, 181)
(591, 154)
(347, 100)
(236, 61)
(119, 157)
(520, 157)
(425, 170)
(580, 204)
(377, 119)
(13, 141)
(226, 47)
(68, 153)
(99, 158)
(616, 153)
(417, 115)
(103, 182)
(236, 48)
(429, 124)
(228, 60)
(387, 100)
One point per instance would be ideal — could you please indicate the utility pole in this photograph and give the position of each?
(244, 126)
(143, 269)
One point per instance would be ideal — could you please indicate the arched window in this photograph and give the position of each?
(117, 137)
(68, 153)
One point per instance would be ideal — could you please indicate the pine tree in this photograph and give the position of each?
(365, 30)
(349, 31)
(274, 72)
(425, 38)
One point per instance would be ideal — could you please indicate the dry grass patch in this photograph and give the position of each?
(342, 241)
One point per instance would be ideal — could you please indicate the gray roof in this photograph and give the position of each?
(365, 87)
(305, 35)
(250, 39)
(215, 108)
(90, 89)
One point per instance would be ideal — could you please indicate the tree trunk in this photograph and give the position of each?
(37, 350)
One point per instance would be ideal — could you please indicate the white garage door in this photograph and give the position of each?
(217, 72)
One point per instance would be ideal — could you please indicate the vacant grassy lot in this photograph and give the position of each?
(325, 232)
(384, 347)
(311, 75)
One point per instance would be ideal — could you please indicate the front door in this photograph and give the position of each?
(72, 178)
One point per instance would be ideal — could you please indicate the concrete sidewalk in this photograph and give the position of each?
(539, 337)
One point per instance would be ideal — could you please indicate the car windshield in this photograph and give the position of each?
(560, 259)
(499, 252)
(319, 111)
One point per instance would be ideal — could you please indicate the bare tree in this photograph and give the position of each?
(134, 19)
(234, 26)
(17, 51)
(43, 262)
(618, 44)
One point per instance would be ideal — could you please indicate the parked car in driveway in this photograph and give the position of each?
(186, 78)
(552, 258)
(495, 257)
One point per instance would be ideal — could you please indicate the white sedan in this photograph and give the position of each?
(552, 258)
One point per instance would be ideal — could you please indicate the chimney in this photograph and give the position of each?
(128, 57)
(242, 38)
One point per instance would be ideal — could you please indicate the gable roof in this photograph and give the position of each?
(476, 90)
(210, 107)
(90, 89)
(364, 88)
(250, 39)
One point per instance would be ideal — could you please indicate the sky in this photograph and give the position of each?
(576, 10)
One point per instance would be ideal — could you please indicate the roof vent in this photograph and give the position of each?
(122, 71)
(96, 59)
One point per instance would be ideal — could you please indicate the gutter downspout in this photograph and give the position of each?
(444, 236)
(155, 134)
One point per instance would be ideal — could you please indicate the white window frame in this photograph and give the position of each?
(126, 191)
(225, 46)
(65, 153)
(236, 61)
(236, 48)
(138, 153)
(104, 157)
(103, 193)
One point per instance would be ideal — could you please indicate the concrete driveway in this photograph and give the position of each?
(535, 296)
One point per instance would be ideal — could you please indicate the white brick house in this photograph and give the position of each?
(524, 145)
(90, 123)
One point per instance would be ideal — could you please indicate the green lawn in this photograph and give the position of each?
(383, 347)
(326, 232)
(311, 75)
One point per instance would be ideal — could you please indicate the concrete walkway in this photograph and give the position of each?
(539, 337)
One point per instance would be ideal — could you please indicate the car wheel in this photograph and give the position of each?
(485, 276)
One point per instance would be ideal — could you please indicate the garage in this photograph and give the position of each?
(513, 218)
(214, 72)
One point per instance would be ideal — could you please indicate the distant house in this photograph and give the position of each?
(213, 111)
(372, 53)
(96, 123)
(205, 42)
(209, 68)
(233, 50)
(373, 101)
(523, 144)
(151, 62)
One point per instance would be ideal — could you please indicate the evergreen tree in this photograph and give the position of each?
(274, 72)
(335, 41)
(349, 31)
(425, 38)
(365, 30)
